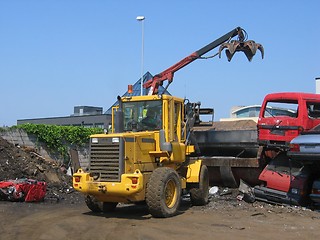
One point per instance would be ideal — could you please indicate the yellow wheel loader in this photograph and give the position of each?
(139, 163)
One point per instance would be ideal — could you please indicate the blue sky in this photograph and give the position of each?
(57, 54)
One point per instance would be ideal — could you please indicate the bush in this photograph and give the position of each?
(58, 138)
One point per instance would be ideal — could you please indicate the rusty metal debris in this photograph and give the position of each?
(24, 189)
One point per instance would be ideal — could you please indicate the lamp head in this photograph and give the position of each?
(140, 18)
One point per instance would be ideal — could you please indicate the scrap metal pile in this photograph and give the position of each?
(26, 176)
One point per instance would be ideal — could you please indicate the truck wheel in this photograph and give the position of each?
(200, 195)
(109, 206)
(163, 192)
(93, 204)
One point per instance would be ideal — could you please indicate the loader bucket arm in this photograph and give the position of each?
(249, 48)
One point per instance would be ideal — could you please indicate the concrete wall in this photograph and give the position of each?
(100, 120)
(20, 138)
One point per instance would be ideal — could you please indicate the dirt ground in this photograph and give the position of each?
(64, 215)
(225, 218)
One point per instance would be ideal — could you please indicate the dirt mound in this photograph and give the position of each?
(18, 162)
(228, 126)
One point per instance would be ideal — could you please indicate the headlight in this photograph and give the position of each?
(115, 140)
(94, 140)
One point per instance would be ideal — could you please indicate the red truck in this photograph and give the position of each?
(284, 116)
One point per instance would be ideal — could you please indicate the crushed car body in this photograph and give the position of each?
(19, 190)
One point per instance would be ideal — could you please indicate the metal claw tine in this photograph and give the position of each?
(251, 45)
(233, 45)
(223, 46)
(248, 54)
(229, 55)
(260, 47)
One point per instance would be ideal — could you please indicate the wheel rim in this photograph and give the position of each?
(170, 194)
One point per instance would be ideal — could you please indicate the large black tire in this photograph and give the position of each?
(163, 192)
(93, 204)
(200, 195)
(109, 206)
(96, 206)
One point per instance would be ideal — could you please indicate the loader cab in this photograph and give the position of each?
(157, 117)
(142, 115)
(153, 113)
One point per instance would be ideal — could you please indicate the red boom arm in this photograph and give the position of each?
(168, 74)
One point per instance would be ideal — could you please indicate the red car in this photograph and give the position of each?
(284, 182)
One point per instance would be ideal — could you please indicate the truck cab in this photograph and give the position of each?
(284, 116)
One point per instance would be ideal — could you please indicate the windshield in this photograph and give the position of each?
(313, 110)
(314, 130)
(142, 115)
(289, 109)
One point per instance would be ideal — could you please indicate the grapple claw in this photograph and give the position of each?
(249, 48)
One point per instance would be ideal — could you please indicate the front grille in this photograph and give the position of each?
(105, 160)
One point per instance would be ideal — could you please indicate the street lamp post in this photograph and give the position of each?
(141, 19)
